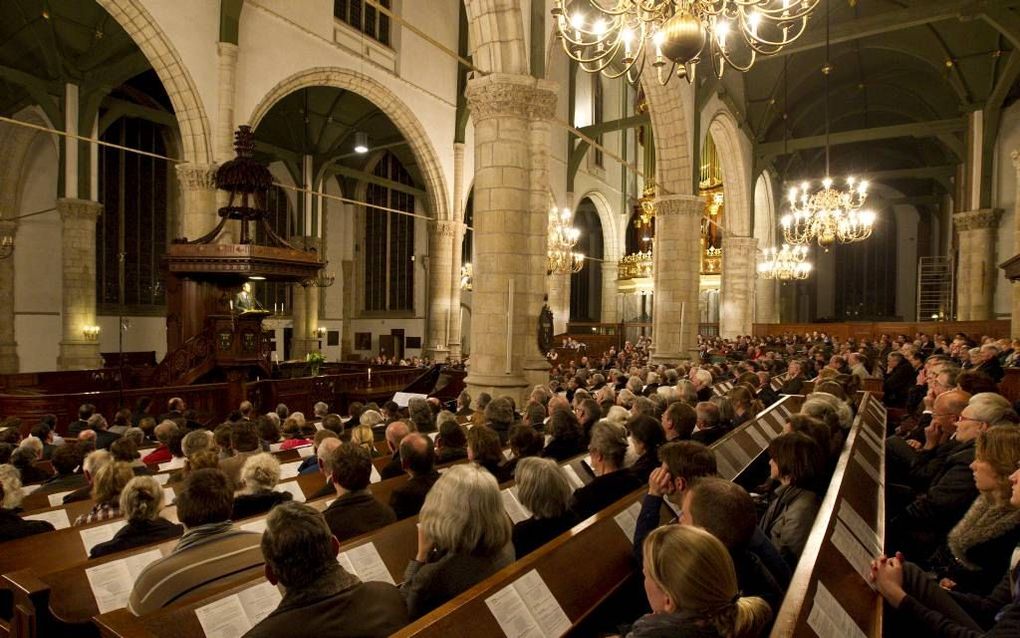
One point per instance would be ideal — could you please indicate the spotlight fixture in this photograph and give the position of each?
(361, 142)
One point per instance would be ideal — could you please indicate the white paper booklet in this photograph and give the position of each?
(57, 518)
(175, 463)
(527, 609)
(828, 618)
(627, 519)
(289, 470)
(258, 526)
(57, 499)
(294, 489)
(513, 506)
(374, 477)
(92, 536)
(233, 616)
(572, 477)
(365, 562)
(111, 582)
(306, 451)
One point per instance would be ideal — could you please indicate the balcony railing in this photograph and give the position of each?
(635, 266)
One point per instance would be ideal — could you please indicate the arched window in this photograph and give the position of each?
(467, 247)
(597, 106)
(133, 191)
(586, 285)
(389, 241)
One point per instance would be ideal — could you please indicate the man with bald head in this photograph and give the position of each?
(912, 463)
(418, 458)
(395, 433)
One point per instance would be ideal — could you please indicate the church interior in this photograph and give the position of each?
(636, 318)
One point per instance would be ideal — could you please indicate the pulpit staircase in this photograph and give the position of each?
(194, 359)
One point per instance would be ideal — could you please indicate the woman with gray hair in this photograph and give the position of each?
(420, 414)
(606, 453)
(259, 475)
(463, 538)
(11, 525)
(543, 490)
(141, 501)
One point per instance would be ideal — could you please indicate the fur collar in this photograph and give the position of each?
(983, 522)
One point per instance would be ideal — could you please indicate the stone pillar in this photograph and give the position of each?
(441, 242)
(766, 306)
(347, 331)
(298, 323)
(78, 261)
(8, 346)
(227, 72)
(977, 267)
(738, 268)
(1015, 287)
(610, 271)
(305, 317)
(454, 335)
(558, 287)
(676, 277)
(198, 199)
(510, 219)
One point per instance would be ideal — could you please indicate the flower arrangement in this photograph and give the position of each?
(314, 361)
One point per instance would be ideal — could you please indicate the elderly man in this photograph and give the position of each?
(355, 511)
(84, 412)
(988, 362)
(164, 432)
(210, 551)
(98, 424)
(708, 429)
(419, 460)
(794, 380)
(245, 441)
(395, 433)
(320, 598)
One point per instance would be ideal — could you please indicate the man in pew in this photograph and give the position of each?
(794, 381)
(913, 464)
(163, 433)
(607, 450)
(244, 439)
(310, 465)
(320, 598)
(66, 460)
(464, 405)
(678, 421)
(709, 427)
(395, 433)
(11, 525)
(210, 550)
(104, 438)
(419, 460)
(355, 511)
(175, 410)
(44, 433)
(324, 460)
(25, 458)
(84, 412)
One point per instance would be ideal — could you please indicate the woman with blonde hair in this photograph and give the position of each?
(106, 488)
(141, 502)
(686, 603)
(259, 475)
(543, 490)
(463, 538)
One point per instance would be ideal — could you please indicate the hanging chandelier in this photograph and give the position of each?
(788, 263)
(612, 36)
(562, 258)
(829, 214)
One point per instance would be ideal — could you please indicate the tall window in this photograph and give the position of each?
(586, 286)
(389, 241)
(597, 104)
(133, 191)
(866, 275)
(365, 18)
(274, 295)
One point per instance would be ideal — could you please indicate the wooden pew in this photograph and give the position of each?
(722, 388)
(853, 505)
(737, 451)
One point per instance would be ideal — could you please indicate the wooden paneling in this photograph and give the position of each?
(873, 330)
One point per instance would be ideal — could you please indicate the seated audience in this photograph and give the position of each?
(125, 451)
(25, 458)
(106, 488)
(419, 460)
(163, 432)
(565, 432)
(84, 412)
(463, 538)
(525, 441)
(543, 490)
(310, 465)
(210, 551)
(646, 436)
(44, 433)
(66, 461)
(483, 448)
(323, 457)
(104, 437)
(94, 461)
(395, 433)
(607, 449)
(499, 416)
(141, 501)
(320, 598)
(678, 421)
(355, 511)
(464, 405)
(451, 442)
(244, 440)
(684, 601)
(709, 427)
(259, 475)
(296, 433)
(11, 524)
(792, 506)
(420, 415)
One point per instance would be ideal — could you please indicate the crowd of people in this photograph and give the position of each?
(952, 496)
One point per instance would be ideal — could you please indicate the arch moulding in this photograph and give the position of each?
(611, 248)
(736, 173)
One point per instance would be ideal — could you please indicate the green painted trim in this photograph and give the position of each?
(931, 128)
(369, 178)
(230, 20)
(571, 138)
(463, 112)
(537, 39)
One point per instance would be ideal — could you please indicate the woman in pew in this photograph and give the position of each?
(106, 488)
(971, 559)
(543, 490)
(745, 406)
(646, 435)
(607, 449)
(566, 436)
(259, 475)
(11, 525)
(141, 502)
(483, 448)
(792, 507)
(463, 538)
(687, 604)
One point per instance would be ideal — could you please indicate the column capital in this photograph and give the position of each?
(8, 226)
(227, 49)
(71, 209)
(975, 219)
(196, 176)
(504, 94)
(666, 205)
(447, 228)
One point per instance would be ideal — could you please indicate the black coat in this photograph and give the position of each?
(105, 438)
(792, 386)
(562, 449)
(13, 526)
(602, 492)
(407, 499)
(246, 505)
(392, 469)
(450, 454)
(644, 465)
(897, 385)
(709, 436)
(531, 534)
(75, 428)
(136, 534)
(992, 368)
(357, 513)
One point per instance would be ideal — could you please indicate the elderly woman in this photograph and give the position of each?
(25, 457)
(971, 558)
(106, 488)
(296, 432)
(451, 443)
(483, 448)
(420, 414)
(11, 525)
(543, 490)
(607, 450)
(259, 475)
(141, 501)
(565, 436)
(463, 538)
(795, 466)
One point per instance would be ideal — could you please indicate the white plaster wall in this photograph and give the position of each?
(140, 334)
(414, 327)
(1004, 196)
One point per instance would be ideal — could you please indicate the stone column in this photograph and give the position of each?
(610, 271)
(78, 261)
(977, 269)
(441, 240)
(227, 72)
(305, 317)
(347, 332)
(676, 276)
(738, 268)
(1015, 288)
(198, 199)
(454, 335)
(766, 307)
(558, 287)
(511, 143)
(8, 346)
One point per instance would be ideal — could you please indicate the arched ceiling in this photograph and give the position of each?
(904, 75)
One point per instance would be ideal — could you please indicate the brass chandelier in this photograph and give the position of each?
(612, 37)
(562, 259)
(788, 263)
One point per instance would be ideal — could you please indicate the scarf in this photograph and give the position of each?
(200, 533)
(984, 521)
